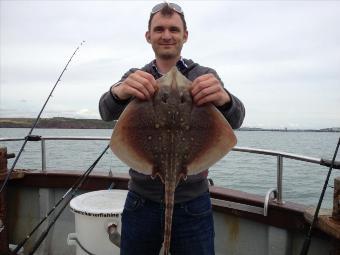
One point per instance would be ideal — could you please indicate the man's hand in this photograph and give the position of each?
(139, 84)
(207, 89)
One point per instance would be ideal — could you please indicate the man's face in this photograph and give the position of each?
(166, 35)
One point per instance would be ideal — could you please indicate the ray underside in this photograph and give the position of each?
(171, 138)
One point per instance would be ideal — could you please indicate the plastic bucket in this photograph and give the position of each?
(96, 213)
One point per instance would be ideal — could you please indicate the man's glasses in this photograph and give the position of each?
(173, 6)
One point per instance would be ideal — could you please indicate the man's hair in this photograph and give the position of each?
(168, 11)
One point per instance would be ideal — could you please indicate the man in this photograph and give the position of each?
(142, 220)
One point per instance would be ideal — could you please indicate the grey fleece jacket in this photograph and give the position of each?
(110, 109)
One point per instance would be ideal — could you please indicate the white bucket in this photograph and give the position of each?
(94, 213)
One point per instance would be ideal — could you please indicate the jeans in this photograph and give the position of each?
(143, 226)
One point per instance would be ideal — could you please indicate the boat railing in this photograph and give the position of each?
(278, 154)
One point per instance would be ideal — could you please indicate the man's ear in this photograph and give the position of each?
(185, 37)
(147, 36)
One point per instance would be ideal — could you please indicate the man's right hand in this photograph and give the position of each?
(139, 84)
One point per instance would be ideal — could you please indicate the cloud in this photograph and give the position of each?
(86, 113)
(280, 57)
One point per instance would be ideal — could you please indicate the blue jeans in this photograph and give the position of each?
(143, 226)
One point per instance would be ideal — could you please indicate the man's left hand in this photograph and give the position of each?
(208, 89)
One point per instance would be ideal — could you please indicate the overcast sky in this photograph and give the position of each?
(281, 58)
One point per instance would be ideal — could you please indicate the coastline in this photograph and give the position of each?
(56, 122)
(73, 123)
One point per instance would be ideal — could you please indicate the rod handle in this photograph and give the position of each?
(305, 246)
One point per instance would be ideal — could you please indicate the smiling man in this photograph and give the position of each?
(142, 220)
(167, 36)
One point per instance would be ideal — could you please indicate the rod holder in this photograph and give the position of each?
(267, 199)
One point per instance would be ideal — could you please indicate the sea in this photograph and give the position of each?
(247, 172)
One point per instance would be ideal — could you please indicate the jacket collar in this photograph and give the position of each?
(181, 66)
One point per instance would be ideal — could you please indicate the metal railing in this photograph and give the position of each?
(278, 154)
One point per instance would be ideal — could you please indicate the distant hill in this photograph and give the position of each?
(71, 123)
(334, 129)
(57, 122)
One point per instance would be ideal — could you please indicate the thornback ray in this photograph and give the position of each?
(170, 137)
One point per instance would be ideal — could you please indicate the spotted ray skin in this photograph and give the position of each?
(169, 137)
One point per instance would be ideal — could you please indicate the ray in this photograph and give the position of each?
(170, 138)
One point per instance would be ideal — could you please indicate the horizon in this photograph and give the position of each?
(280, 58)
(337, 129)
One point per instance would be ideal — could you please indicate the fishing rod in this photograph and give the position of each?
(27, 138)
(81, 181)
(74, 188)
(307, 241)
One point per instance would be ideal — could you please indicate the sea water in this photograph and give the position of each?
(302, 182)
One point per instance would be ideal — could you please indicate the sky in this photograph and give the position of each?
(280, 58)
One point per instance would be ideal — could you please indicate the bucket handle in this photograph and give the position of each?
(72, 239)
(114, 236)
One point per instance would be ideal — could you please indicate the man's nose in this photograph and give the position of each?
(166, 34)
